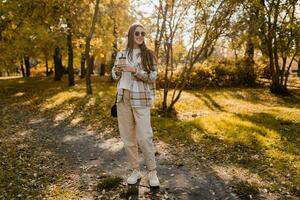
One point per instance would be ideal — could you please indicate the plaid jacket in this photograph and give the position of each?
(142, 81)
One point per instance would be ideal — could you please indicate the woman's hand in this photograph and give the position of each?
(126, 68)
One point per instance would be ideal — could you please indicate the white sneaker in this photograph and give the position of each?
(134, 177)
(153, 180)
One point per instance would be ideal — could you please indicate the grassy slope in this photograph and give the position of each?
(247, 130)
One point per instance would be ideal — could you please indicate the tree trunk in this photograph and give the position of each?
(160, 30)
(92, 64)
(249, 78)
(287, 72)
(277, 74)
(82, 66)
(88, 75)
(87, 49)
(58, 73)
(22, 69)
(27, 66)
(47, 66)
(70, 57)
(282, 71)
(249, 74)
(115, 44)
(166, 79)
(275, 87)
(298, 70)
(102, 69)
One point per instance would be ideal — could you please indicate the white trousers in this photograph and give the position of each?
(135, 129)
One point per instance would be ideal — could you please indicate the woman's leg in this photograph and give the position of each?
(145, 135)
(127, 132)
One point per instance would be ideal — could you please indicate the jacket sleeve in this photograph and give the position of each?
(145, 76)
(116, 75)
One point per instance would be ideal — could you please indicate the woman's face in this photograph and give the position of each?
(139, 35)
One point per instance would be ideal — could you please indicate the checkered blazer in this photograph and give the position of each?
(144, 82)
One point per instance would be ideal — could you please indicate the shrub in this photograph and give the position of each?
(215, 72)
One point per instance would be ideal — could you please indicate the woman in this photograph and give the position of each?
(136, 90)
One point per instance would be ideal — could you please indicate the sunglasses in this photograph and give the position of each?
(137, 33)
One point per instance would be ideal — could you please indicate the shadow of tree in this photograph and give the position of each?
(210, 102)
(288, 130)
(252, 95)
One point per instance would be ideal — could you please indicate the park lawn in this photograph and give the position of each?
(249, 133)
(245, 131)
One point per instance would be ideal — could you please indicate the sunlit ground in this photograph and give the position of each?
(247, 132)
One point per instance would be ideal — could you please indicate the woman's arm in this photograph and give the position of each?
(146, 77)
(116, 75)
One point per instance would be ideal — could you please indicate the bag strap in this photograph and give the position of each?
(116, 98)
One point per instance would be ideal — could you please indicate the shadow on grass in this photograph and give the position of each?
(252, 95)
(209, 102)
(288, 130)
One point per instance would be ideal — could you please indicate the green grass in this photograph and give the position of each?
(246, 191)
(130, 191)
(243, 129)
(109, 183)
